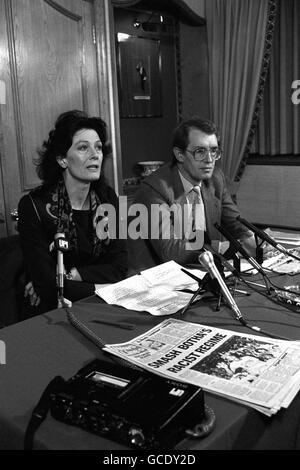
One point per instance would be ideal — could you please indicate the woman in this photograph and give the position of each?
(68, 202)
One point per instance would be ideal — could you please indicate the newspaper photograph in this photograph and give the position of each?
(254, 370)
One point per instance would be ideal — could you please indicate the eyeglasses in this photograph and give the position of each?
(202, 153)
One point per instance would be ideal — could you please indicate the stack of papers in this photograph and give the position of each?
(260, 372)
(161, 290)
(289, 238)
(282, 263)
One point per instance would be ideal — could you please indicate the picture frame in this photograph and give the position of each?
(139, 76)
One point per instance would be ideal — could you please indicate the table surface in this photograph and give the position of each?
(40, 348)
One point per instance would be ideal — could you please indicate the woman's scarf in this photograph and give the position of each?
(60, 208)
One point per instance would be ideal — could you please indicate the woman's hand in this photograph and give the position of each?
(73, 275)
(30, 292)
(63, 303)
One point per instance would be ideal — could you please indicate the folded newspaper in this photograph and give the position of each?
(283, 263)
(285, 237)
(260, 372)
(161, 290)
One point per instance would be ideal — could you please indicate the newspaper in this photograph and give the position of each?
(161, 290)
(288, 238)
(253, 370)
(283, 263)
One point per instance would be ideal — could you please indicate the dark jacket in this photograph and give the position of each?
(164, 186)
(37, 229)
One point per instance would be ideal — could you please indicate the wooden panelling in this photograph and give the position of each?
(48, 62)
(270, 195)
(10, 182)
(48, 67)
(107, 83)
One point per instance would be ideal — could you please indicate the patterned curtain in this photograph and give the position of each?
(279, 117)
(237, 31)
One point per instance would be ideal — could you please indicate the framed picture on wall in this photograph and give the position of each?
(139, 75)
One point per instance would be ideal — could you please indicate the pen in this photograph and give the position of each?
(242, 291)
(188, 291)
(191, 275)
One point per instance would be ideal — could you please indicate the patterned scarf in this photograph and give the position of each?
(60, 208)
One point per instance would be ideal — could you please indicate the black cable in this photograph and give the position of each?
(267, 296)
(239, 248)
(266, 238)
(97, 340)
(236, 274)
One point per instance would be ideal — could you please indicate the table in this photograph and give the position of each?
(40, 348)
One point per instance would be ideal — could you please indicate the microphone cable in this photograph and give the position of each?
(97, 340)
(265, 237)
(241, 319)
(238, 246)
(41, 410)
(275, 301)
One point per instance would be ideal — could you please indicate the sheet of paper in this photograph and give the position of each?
(137, 293)
(171, 276)
(160, 290)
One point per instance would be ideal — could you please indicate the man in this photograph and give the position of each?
(192, 195)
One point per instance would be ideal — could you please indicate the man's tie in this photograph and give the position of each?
(198, 212)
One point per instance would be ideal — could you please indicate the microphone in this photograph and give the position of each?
(61, 245)
(238, 247)
(264, 236)
(222, 259)
(207, 261)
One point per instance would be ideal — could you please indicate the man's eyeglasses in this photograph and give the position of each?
(202, 153)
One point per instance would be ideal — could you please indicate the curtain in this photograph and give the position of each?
(279, 118)
(236, 37)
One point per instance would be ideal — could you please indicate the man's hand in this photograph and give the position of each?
(250, 245)
(33, 297)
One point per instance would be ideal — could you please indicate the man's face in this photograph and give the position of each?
(197, 170)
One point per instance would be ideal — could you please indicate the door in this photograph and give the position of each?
(48, 66)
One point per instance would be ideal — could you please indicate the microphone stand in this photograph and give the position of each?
(200, 287)
(259, 252)
(238, 247)
(265, 237)
(235, 269)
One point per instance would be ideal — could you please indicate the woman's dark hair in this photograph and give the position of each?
(60, 140)
(181, 132)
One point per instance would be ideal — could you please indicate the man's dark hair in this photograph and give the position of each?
(60, 140)
(181, 132)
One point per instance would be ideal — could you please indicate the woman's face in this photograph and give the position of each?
(84, 158)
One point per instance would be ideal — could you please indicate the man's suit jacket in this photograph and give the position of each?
(164, 186)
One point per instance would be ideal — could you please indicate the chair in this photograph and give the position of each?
(12, 280)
